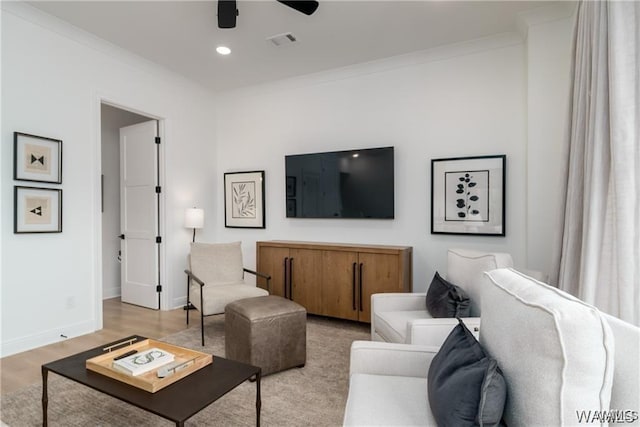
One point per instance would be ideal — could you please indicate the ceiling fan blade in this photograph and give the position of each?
(304, 6)
(227, 13)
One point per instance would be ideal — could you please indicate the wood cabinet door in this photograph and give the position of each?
(306, 278)
(339, 287)
(378, 273)
(271, 261)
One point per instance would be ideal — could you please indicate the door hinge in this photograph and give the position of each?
(157, 140)
(158, 239)
(158, 189)
(159, 288)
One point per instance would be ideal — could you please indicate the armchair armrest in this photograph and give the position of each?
(381, 358)
(194, 277)
(433, 332)
(394, 301)
(398, 302)
(264, 276)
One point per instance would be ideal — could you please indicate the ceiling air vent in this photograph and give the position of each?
(282, 39)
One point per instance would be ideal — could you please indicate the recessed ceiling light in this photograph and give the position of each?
(355, 155)
(223, 50)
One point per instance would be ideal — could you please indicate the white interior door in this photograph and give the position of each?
(139, 214)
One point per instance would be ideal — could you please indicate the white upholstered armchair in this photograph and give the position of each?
(403, 317)
(215, 278)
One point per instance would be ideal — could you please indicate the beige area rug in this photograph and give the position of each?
(311, 396)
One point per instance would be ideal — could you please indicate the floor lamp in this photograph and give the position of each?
(194, 218)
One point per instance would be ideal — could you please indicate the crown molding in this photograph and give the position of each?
(545, 14)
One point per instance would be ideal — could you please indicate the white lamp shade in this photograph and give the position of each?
(194, 218)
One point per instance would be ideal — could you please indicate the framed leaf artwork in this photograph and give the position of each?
(468, 195)
(244, 200)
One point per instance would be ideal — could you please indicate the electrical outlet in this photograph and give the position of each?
(71, 303)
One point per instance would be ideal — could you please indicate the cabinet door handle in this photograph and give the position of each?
(291, 279)
(284, 283)
(353, 285)
(360, 283)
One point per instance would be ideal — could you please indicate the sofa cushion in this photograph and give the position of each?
(465, 269)
(392, 325)
(444, 299)
(555, 351)
(387, 400)
(216, 297)
(466, 387)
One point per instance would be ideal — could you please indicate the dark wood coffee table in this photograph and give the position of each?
(177, 402)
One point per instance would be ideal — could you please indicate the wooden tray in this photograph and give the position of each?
(149, 381)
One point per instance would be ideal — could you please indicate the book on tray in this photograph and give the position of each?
(143, 361)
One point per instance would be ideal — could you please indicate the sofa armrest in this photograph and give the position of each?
(381, 358)
(394, 301)
(398, 302)
(625, 392)
(534, 274)
(433, 332)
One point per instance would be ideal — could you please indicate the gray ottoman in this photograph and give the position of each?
(269, 332)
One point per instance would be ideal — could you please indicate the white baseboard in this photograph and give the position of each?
(179, 302)
(109, 293)
(18, 345)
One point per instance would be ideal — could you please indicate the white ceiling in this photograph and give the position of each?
(182, 35)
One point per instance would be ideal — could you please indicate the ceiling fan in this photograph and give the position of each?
(228, 11)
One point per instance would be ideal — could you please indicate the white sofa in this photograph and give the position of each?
(403, 317)
(559, 357)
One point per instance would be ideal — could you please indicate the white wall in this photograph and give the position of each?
(53, 77)
(112, 119)
(549, 49)
(462, 100)
(499, 95)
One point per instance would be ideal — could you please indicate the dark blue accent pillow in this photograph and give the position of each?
(466, 387)
(444, 299)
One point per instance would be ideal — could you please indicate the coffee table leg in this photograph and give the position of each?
(258, 401)
(45, 398)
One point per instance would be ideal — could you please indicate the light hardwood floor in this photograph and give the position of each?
(119, 320)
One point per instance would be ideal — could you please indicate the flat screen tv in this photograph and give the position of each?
(341, 184)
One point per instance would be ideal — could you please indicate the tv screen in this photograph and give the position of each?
(341, 184)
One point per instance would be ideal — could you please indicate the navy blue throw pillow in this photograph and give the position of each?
(444, 299)
(466, 387)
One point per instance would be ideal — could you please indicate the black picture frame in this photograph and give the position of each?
(37, 210)
(291, 186)
(37, 158)
(291, 208)
(468, 195)
(244, 199)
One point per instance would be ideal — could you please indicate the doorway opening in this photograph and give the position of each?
(130, 214)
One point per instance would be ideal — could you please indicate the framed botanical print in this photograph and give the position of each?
(244, 200)
(37, 210)
(37, 158)
(468, 195)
